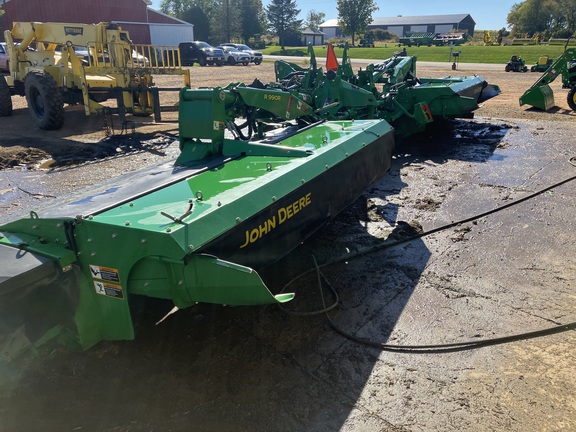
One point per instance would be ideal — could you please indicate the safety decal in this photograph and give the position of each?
(108, 290)
(104, 273)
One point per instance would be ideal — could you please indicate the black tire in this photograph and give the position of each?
(202, 61)
(44, 99)
(257, 61)
(231, 61)
(5, 98)
(219, 63)
(507, 68)
(572, 98)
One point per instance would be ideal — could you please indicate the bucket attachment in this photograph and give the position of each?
(541, 97)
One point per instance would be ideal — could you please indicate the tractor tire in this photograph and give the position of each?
(572, 98)
(231, 61)
(44, 99)
(5, 98)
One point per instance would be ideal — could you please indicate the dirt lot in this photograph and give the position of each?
(261, 369)
(23, 144)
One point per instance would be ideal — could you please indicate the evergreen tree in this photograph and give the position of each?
(282, 20)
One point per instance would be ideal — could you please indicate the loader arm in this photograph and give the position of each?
(540, 95)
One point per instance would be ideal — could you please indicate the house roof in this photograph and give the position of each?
(309, 31)
(330, 23)
(409, 20)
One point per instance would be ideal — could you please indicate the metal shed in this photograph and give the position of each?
(403, 24)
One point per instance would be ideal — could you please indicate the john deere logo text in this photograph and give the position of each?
(281, 216)
(73, 31)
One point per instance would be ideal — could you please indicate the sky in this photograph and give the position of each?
(488, 14)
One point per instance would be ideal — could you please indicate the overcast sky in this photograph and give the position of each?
(488, 14)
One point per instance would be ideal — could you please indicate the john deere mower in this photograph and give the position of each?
(261, 168)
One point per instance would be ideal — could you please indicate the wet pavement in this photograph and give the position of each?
(259, 369)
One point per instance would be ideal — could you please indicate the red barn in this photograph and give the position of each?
(145, 25)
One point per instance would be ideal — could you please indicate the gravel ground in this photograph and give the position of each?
(260, 369)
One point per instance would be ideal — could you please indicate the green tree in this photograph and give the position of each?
(204, 14)
(225, 23)
(355, 15)
(174, 7)
(567, 9)
(314, 19)
(252, 19)
(196, 15)
(282, 20)
(533, 17)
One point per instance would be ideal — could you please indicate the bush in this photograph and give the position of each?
(384, 35)
(290, 52)
(337, 41)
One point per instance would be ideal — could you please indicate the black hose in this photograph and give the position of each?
(431, 348)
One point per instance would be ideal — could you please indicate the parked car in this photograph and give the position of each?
(255, 56)
(139, 59)
(3, 57)
(234, 56)
(201, 53)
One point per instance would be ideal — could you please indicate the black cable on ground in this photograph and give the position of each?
(425, 349)
(438, 348)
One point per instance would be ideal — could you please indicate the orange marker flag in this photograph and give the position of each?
(331, 61)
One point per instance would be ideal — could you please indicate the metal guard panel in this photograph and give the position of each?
(211, 280)
(232, 192)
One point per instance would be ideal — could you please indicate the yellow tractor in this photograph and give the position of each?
(53, 64)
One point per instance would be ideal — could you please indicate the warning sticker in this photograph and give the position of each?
(104, 273)
(108, 290)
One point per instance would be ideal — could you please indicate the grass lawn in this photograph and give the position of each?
(469, 54)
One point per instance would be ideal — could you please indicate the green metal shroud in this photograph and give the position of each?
(161, 243)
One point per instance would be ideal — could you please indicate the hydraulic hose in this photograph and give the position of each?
(428, 348)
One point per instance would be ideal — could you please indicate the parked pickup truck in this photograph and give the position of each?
(201, 53)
